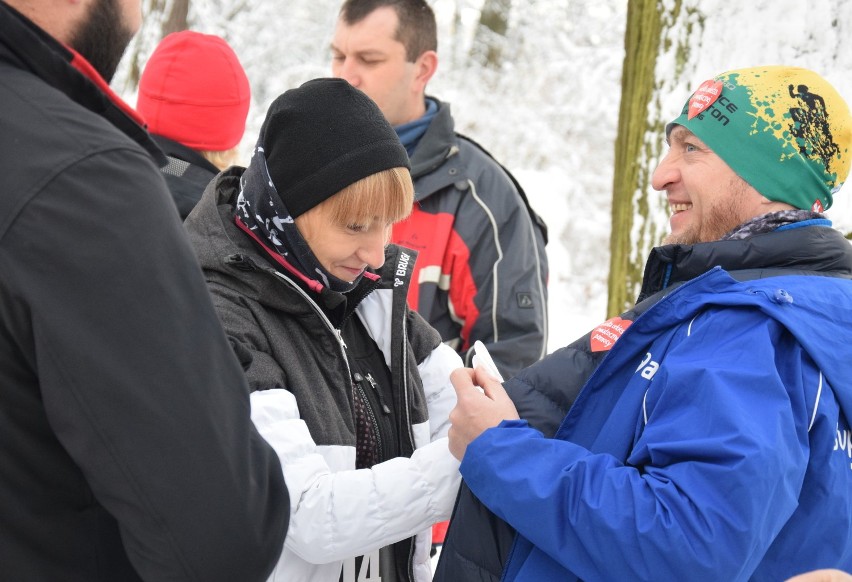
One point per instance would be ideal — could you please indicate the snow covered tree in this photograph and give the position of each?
(550, 106)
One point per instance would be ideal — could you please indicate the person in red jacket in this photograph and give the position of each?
(482, 268)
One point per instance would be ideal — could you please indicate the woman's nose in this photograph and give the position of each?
(373, 251)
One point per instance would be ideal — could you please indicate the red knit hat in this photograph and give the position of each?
(194, 91)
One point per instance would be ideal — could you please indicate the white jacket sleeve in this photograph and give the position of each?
(440, 394)
(345, 513)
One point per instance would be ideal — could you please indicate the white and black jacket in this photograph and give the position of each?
(337, 512)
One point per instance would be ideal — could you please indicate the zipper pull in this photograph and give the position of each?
(375, 386)
(339, 335)
(241, 262)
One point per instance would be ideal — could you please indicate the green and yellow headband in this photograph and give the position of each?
(784, 130)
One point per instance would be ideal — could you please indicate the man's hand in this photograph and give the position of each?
(476, 411)
(822, 576)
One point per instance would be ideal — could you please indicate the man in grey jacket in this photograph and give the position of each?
(482, 268)
(126, 445)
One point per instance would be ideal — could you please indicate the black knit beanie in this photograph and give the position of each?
(322, 137)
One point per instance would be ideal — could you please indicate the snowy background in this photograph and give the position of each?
(550, 113)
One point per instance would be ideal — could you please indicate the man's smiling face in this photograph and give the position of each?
(706, 197)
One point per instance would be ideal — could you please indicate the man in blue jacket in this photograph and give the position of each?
(713, 441)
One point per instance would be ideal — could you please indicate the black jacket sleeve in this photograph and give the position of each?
(137, 377)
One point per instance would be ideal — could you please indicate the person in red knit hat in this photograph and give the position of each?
(194, 96)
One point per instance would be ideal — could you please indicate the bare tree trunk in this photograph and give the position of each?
(641, 44)
(491, 33)
(177, 19)
(155, 27)
(153, 11)
(639, 220)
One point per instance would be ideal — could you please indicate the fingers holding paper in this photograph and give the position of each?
(476, 410)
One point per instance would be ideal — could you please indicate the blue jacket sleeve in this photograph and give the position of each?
(710, 477)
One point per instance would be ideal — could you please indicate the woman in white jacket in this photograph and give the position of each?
(350, 386)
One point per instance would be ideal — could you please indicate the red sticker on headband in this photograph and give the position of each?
(817, 206)
(706, 95)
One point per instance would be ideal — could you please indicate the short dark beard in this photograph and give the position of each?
(102, 38)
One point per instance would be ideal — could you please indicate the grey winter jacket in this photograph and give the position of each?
(482, 268)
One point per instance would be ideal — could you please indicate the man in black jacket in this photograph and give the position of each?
(126, 445)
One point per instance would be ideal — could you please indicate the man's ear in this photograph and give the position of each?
(425, 65)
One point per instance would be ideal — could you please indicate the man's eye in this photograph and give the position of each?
(689, 147)
(356, 227)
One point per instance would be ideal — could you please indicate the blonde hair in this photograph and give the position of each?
(223, 159)
(387, 196)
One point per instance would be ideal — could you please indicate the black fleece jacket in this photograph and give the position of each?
(126, 447)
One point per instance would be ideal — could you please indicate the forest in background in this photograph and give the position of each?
(571, 95)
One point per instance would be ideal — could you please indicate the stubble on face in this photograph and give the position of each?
(724, 215)
(102, 37)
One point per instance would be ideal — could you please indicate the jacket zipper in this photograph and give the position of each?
(454, 149)
(241, 260)
(245, 263)
(404, 358)
(372, 382)
(371, 413)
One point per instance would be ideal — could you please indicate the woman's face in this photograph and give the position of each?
(344, 250)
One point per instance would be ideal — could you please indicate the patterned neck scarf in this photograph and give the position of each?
(261, 210)
(770, 222)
